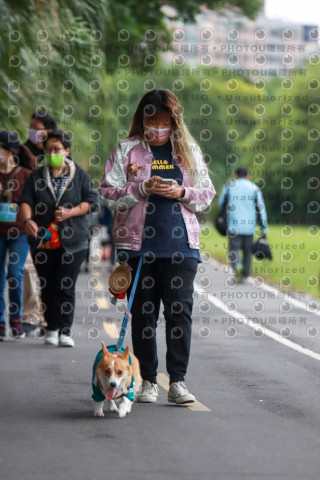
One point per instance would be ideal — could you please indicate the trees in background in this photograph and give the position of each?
(274, 132)
(69, 58)
(53, 49)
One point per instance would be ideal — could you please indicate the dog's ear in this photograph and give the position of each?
(105, 351)
(125, 354)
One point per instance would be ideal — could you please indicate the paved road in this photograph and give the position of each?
(258, 410)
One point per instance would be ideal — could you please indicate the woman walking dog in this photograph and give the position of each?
(155, 181)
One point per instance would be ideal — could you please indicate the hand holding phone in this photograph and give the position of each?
(167, 181)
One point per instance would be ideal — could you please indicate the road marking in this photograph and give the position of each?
(103, 303)
(242, 319)
(111, 329)
(285, 296)
(163, 381)
(278, 293)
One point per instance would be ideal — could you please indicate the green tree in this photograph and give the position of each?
(285, 160)
(49, 54)
(52, 51)
(142, 30)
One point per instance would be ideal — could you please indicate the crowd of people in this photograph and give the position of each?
(155, 182)
(43, 246)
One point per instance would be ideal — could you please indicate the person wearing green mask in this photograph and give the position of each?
(54, 205)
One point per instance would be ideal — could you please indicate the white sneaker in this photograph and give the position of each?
(149, 392)
(51, 338)
(66, 341)
(178, 393)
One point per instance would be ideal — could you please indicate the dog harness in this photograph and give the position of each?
(97, 395)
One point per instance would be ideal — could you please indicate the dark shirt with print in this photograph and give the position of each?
(165, 233)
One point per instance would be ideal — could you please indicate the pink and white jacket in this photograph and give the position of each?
(122, 186)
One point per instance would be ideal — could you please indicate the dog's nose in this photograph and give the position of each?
(113, 384)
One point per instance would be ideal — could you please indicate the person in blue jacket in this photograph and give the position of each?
(245, 209)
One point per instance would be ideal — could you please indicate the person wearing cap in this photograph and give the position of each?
(13, 239)
(54, 205)
(41, 123)
(156, 181)
(245, 208)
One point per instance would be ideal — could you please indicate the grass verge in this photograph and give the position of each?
(296, 257)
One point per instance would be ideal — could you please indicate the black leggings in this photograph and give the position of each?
(173, 285)
(58, 272)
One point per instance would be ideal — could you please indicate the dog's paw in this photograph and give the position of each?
(112, 407)
(98, 409)
(124, 407)
(98, 413)
(122, 412)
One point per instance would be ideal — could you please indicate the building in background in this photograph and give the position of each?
(233, 41)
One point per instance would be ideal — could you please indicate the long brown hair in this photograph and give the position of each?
(164, 101)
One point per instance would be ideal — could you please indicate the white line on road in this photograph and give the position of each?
(242, 319)
(278, 293)
(288, 297)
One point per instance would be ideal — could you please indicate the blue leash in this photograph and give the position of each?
(125, 318)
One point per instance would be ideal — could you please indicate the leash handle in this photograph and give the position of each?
(125, 318)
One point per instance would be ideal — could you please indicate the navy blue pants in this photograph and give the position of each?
(173, 285)
(244, 243)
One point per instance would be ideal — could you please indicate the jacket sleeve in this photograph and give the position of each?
(88, 192)
(28, 192)
(114, 187)
(221, 198)
(97, 395)
(263, 212)
(199, 196)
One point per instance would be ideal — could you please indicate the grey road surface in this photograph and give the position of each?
(258, 410)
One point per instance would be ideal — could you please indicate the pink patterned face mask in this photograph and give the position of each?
(153, 134)
(35, 136)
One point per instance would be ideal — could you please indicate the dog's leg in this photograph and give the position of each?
(98, 409)
(124, 407)
(111, 406)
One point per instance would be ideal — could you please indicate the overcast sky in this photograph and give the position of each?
(306, 12)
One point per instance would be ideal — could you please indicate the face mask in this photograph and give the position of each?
(157, 134)
(35, 136)
(2, 158)
(54, 159)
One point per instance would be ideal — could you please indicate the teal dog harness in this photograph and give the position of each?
(97, 395)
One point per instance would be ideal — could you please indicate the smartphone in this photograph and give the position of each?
(167, 181)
